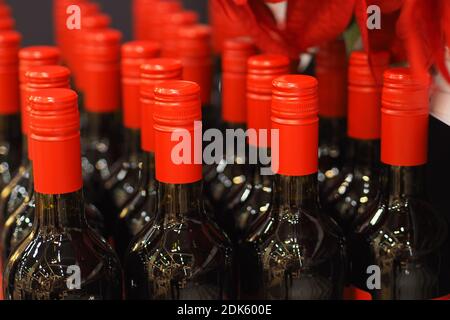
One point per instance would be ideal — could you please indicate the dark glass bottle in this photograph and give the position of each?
(357, 185)
(301, 250)
(101, 136)
(18, 189)
(331, 72)
(141, 208)
(182, 254)
(62, 258)
(401, 234)
(10, 140)
(123, 181)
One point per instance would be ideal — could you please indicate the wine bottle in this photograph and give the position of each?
(123, 181)
(182, 254)
(10, 140)
(301, 250)
(356, 186)
(62, 258)
(18, 189)
(331, 72)
(194, 47)
(141, 208)
(19, 223)
(225, 182)
(171, 26)
(154, 14)
(101, 136)
(401, 234)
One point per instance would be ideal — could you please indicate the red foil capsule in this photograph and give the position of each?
(156, 14)
(134, 54)
(7, 23)
(262, 70)
(9, 72)
(404, 118)
(194, 46)
(174, 22)
(178, 153)
(33, 57)
(364, 94)
(295, 114)
(101, 70)
(234, 77)
(152, 73)
(55, 134)
(331, 73)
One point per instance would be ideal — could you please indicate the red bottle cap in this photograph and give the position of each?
(156, 14)
(153, 73)
(101, 70)
(262, 70)
(294, 114)
(32, 57)
(234, 77)
(139, 11)
(5, 11)
(7, 23)
(177, 107)
(9, 72)
(364, 94)
(96, 21)
(134, 54)
(194, 46)
(404, 118)
(174, 22)
(331, 72)
(55, 134)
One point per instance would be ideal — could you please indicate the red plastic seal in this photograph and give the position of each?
(195, 54)
(294, 114)
(262, 70)
(234, 76)
(101, 73)
(178, 152)
(404, 118)
(134, 54)
(7, 23)
(331, 72)
(153, 73)
(364, 94)
(5, 10)
(55, 134)
(9, 72)
(155, 15)
(172, 25)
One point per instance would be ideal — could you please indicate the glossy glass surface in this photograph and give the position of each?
(62, 258)
(182, 255)
(300, 251)
(402, 235)
(10, 147)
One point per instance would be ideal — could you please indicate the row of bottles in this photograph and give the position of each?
(98, 208)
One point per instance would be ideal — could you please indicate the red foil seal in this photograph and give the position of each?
(234, 77)
(174, 22)
(7, 23)
(134, 54)
(55, 134)
(262, 70)
(364, 94)
(195, 54)
(178, 153)
(32, 57)
(9, 72)
(155, 16)
(102, 70)
(331, 73)
(295, 115)
(404, 118)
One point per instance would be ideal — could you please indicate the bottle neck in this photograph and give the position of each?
(148, 178)
(295, 192)
(101, 125)
(259, 164)
(404, 182)
(60, 211)
(132, 144)
(332, 130)
(364, 154)
(179, 201)
(25, 159)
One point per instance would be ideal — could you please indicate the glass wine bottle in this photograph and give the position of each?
(62, 258)
(301, 250)
(122, 184)
(141, 208)
(18, 189)
(182, 254)
(401, 234)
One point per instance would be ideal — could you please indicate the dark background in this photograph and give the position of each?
(34, 17)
